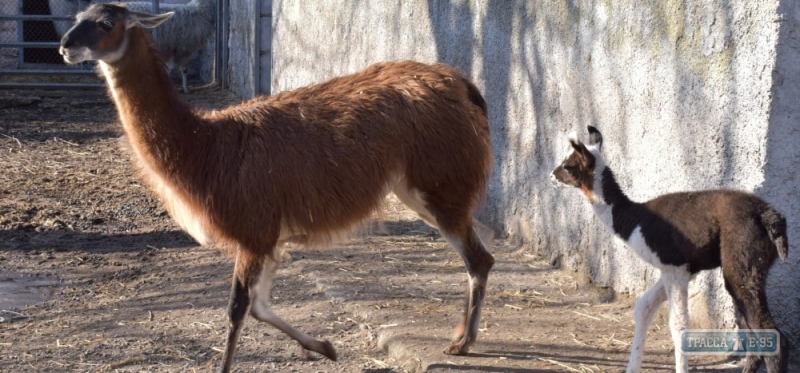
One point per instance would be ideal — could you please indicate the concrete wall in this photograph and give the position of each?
(781, 184)
(243, 42)
(265, 46)
(688, 94)
(250, 47)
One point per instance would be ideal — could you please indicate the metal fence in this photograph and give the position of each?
(30, 31)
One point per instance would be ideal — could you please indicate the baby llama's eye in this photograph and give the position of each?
(570, 168)
(105, 25)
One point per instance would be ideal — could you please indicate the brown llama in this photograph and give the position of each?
(306, 165)
(682, 234)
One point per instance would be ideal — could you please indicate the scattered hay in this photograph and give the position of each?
(124, 362)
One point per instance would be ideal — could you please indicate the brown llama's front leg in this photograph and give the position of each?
(479, 262)
(243, 274)
(262, 311)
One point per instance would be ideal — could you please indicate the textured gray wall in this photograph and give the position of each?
(243, 43)
(688, 94)
(265, 46)
(782, 170)
(250, 47)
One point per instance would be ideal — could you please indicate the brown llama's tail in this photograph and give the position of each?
(475, 96)
(775, 224)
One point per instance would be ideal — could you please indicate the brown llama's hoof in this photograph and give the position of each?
(456, 349)
(328, 351)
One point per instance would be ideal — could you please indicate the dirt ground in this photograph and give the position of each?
(95, 277)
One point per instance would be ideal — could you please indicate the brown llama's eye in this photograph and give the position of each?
(105, 25)
(570, 168)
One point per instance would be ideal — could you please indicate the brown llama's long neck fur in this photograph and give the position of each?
(167, 137)
(161, 129)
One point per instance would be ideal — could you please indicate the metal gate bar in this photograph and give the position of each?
(31, 44)
(46, 72)
(33, 17)
(52, 85)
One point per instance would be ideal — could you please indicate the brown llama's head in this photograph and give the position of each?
(580, 167)
(101, 32)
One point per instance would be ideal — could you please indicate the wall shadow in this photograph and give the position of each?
(486, 57)
(780, 186)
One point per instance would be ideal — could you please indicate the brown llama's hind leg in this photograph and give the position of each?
(442, 208)
(479, 262)
(262, 311)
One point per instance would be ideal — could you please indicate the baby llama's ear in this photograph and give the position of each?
(576, 144)
(585, 156)
(595, 138)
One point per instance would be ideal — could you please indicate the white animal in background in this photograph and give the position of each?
(186, 33)
(66, 8)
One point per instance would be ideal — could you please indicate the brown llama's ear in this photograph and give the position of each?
(146, 20)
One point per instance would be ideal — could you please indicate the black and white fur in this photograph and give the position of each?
(682, 234)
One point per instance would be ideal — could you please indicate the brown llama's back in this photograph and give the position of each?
(321, 158)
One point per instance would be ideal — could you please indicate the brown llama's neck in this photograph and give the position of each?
(162, 129)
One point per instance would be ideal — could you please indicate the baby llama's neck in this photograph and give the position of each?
(611, 192)
(611, 204)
